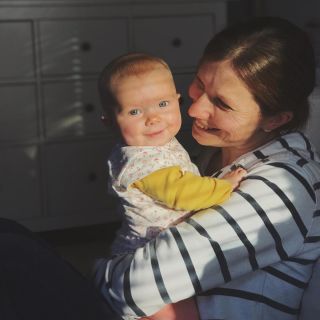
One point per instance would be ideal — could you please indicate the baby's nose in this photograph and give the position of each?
(152, 119)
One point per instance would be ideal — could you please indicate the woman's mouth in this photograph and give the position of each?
(203, 127)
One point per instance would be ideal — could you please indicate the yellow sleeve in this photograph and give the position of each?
(184, 190)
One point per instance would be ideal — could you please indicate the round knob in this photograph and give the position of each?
(89, 107)
(86, 46)
(176, 42)
(92, 177)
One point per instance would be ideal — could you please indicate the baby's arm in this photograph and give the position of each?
(187, 191)
(182, 310)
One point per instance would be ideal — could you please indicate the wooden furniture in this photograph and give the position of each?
(53, 146)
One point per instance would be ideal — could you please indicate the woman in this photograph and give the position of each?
(252, 257)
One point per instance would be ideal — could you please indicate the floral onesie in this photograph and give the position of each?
(143, 216)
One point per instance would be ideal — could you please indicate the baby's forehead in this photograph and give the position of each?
(155, 76)
(140, 71)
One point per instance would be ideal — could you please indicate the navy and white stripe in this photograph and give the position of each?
(241, 258)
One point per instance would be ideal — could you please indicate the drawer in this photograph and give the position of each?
(72, 108)
(18, 110)
(183, 82)
(77, 179)
(19, 183)
(16, 54)
(80, 46)
(178, 40)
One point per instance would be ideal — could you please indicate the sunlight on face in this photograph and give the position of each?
(224, 111)
(148, 108)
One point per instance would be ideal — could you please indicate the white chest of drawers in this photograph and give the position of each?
(53, 147)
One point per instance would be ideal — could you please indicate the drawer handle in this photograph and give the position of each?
(92, 177)
(176, 42)
(86, 46)
(89, 107)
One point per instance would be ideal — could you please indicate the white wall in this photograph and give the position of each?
(299, 11)
(306, 14)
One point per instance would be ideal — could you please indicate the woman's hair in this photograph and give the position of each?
(123, 66)
(275, 60)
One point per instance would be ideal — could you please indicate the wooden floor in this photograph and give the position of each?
(82, 246)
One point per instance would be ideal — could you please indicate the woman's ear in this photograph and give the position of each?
(277, 121)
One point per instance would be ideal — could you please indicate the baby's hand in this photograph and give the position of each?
(235, 176)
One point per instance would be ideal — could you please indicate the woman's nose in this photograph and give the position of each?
(199, 107)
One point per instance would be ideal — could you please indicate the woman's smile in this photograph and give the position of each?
(204, 127)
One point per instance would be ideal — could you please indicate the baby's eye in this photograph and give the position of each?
(163, 103)
(134, 112)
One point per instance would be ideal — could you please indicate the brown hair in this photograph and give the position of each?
(125, 65)
(275, 59)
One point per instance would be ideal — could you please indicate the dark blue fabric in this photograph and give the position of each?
(36, 283)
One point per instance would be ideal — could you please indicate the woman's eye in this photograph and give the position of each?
(163, 104)
(134, 112)
(220, 104)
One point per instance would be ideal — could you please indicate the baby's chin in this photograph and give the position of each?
(149, 143)
(157, 139)
(156, 143)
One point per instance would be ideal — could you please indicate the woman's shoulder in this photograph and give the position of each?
(292, 150)
(288, 164)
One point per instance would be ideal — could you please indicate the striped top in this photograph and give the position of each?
(249, 258)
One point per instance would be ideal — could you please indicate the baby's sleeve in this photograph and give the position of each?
(184, 190)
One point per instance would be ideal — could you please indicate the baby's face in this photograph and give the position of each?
(149, 111)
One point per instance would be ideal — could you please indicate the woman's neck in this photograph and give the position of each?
(225, 156)
(230, 154)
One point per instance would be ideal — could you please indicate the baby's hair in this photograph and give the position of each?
(122, 66)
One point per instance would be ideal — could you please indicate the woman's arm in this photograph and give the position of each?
(264, 222)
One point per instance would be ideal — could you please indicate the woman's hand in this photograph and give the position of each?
(183, 310)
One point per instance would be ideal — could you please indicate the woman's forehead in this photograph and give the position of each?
(220, 75)
(220, 80)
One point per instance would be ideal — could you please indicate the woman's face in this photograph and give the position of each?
(224, 111)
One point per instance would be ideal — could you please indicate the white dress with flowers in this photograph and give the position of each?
(143, 218)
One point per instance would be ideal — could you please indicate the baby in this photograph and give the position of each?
(149, 170)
